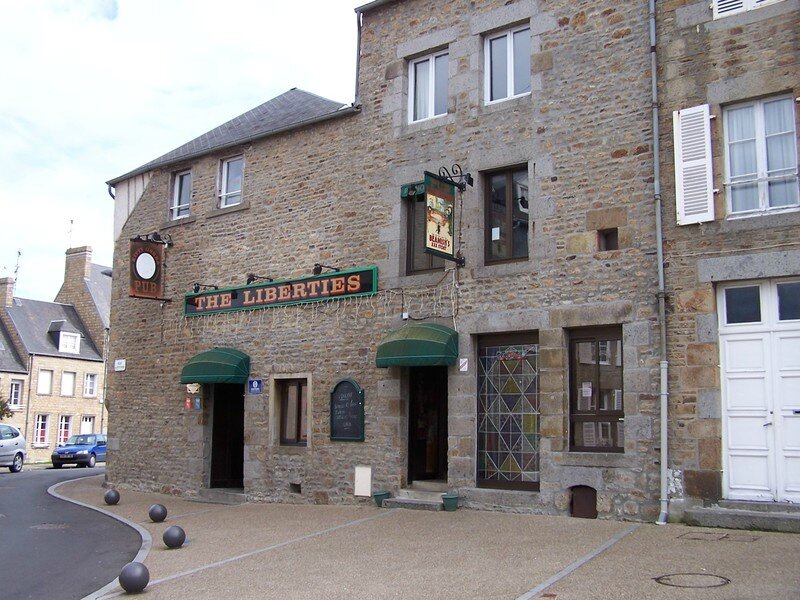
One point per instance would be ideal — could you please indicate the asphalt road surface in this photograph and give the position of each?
(52, 549)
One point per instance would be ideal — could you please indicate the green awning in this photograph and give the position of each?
(418, 345)
(219, 365)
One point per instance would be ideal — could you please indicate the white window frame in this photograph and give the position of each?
(40, 388)
(224, 193)
(412, 86)
(762, 177)
(176, 209)
(67, 387)
(15, 394)
(90, 385)
(726, 8)
(487, 53)
(64, 429)
(69, 343)
(41, 431)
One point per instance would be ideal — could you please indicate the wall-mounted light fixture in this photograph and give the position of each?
(156, 237)
(251, 277)
(196, 287)
(317, 270)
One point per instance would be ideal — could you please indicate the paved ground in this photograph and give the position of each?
(280, 551)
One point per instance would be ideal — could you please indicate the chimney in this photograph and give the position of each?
(7, 291)
(78, 265)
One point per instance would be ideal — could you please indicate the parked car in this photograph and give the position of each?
(12, 448)
(82, 450)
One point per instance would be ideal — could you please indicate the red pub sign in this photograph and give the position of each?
(318, 288)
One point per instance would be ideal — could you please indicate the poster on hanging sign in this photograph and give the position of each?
(439, 216)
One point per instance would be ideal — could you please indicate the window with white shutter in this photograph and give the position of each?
(694, 183)
(725, 8)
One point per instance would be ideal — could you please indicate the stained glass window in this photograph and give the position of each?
(508, 416)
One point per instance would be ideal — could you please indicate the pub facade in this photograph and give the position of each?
(454, 279)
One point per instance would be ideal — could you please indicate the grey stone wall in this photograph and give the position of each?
(330, 194)
(718, 62)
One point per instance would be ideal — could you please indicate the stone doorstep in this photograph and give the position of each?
(419, 495)
(221, 496)
(736, 518)
(770, 507)
(432, 485)
(413, 504)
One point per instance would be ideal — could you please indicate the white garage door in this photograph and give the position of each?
(760, 362)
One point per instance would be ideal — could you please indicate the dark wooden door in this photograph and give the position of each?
(227, 437)
(427, 423)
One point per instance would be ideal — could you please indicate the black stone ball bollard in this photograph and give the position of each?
(157, 513)
(134, 577)
(174, 536)
(111, 496)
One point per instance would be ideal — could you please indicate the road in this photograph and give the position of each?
(54, 549)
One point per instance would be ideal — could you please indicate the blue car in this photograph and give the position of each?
(83, 450)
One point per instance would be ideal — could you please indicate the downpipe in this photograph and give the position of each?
(662, 317)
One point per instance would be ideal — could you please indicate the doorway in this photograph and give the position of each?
(227, 437)
(427, 424)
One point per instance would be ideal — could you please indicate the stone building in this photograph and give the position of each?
(52, 356)
(728, 106)
(280, 333)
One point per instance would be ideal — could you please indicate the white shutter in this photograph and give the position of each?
(723, 8)
(694, 193)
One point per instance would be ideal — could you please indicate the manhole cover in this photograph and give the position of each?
(692, 580)
(50, 526)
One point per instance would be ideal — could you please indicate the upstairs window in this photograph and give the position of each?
(68, 383)
(15, 394)
(44, 385)
(507, 215)
(230, 192)
(427, 92)
(69, 342)
(90, 385)
(761, 156)
(724, 8)
(508, 64)
(180, 205)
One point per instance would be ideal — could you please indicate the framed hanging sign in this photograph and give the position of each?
(146, 269)
(347, 412)
(440, 216)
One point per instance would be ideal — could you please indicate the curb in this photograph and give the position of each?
(144, 550)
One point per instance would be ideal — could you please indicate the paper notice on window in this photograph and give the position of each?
(495, 234)
(586, 389)
(617, 399)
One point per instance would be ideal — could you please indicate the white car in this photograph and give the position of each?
(12, 448)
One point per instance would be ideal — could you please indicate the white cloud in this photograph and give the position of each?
(97, 88)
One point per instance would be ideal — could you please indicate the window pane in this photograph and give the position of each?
(789, 301)
(584, 369)
(498, 67)
(290, 414)
(744, 197)
(421, 89)
(508, 415)
(522, 62)
(234, 181)
(741, 124)
(742, 156)
(498, 235)
(783, 193)
(520, 214)
(440, 82)
(742, 305)
(303, 412)
(778, 116)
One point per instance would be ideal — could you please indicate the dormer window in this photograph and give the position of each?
(69, 342)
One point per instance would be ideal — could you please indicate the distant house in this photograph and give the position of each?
(52, 367)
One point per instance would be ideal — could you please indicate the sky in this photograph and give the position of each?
(92, 89)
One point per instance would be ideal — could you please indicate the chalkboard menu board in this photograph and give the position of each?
(347, 411)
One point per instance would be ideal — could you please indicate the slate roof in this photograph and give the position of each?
(290, 110)
(9, 361)
(99, 285)
(33, 318)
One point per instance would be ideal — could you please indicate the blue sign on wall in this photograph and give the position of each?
(255, 386)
